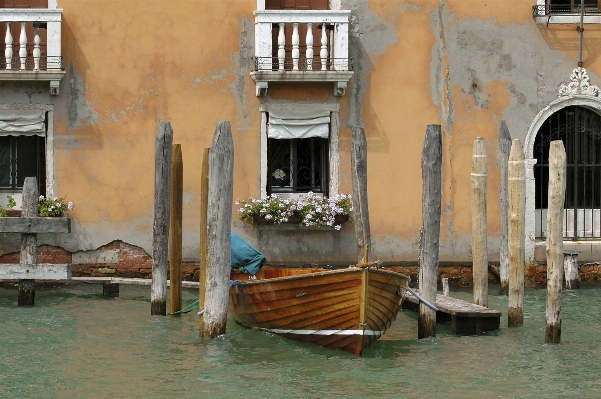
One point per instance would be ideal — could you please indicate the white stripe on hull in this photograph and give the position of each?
(325, 332)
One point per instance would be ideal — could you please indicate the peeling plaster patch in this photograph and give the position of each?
(521, 97)
(369, 36)
(197, 81)
(441, 93)
(79, 110)
(505, 62)
(103, 256)
(217, 75)
(241, 64)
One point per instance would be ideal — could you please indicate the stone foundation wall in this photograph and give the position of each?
(116, 259)
(119, 259)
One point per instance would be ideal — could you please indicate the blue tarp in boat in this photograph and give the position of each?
(244, 257)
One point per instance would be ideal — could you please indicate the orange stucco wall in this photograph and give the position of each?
(464, 64)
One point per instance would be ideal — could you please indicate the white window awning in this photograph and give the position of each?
(298, 125)
(22, 122)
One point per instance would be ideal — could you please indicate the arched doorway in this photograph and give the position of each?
(579, 128)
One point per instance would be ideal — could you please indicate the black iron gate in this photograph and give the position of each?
(580, 130)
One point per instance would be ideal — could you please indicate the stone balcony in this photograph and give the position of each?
(301, 46)
(32, 46)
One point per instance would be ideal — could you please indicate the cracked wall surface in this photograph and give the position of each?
(464, 64)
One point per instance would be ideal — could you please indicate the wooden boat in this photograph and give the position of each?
(344, 309)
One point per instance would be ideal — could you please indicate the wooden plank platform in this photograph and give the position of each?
(29, 225)
(128, 281)
(466, 318)
(41, 271)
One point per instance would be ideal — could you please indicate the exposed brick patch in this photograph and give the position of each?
(133, 262)
(457, 275)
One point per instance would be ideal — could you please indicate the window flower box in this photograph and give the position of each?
(309, 210)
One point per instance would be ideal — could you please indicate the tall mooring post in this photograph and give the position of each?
(175, 229)
(162, 209)
(430, 235)
(505, 149)
(360, 204)
(219, 220)
(204, 204)
(556, 198)
(516, 236)
(479, 223)
(29, 209)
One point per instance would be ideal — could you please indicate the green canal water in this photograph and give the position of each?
(74, 344)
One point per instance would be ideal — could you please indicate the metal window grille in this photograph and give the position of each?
(21, 157)
(580, 130)
(297, 165)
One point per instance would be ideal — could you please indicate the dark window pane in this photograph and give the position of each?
(5, 162)
(21, 157)
(297, 165)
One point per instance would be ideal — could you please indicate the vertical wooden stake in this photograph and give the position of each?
(556, 198)
(28, 241)
(505, 146)
(360, 205)
(445, 286)
(219, 222)
(516, 172)
(160, 230)
(479, 226)
(570, 269)
(430, 236)
(175, 230)
(204, 200)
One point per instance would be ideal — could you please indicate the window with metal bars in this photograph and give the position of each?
(21, 157)
(297, 165)
(580, 130)
(571, 6)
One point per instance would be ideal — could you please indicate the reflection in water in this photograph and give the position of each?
(74, 344)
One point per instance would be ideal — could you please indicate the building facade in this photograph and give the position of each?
(83, 85)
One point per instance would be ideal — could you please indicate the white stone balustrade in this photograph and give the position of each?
(26, 65)
(331, 63)
(338, 20)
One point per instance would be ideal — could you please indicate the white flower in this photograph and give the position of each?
(70, 206)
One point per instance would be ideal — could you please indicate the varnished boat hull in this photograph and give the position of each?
(344, 309)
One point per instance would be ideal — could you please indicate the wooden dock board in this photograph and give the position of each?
(466, 318)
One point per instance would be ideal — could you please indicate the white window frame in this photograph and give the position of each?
(334, 142)
(49, 109)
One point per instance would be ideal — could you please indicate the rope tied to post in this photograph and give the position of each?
(194, 305)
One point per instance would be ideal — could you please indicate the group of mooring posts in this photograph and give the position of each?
(27, 271)
(215, 228)
(513, 213)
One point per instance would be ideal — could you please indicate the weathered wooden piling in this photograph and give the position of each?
(505, 147)
(202, 270)
(175, 229)
(479, 223)
(219, 219)
(556, 198)
(430, 235)
(110, 290)
(445, 286)
(360, 204)
(160, 230)
(516, 172)
(570, 270)
(29, 209)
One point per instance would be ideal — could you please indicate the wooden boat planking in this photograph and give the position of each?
(345, 309)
